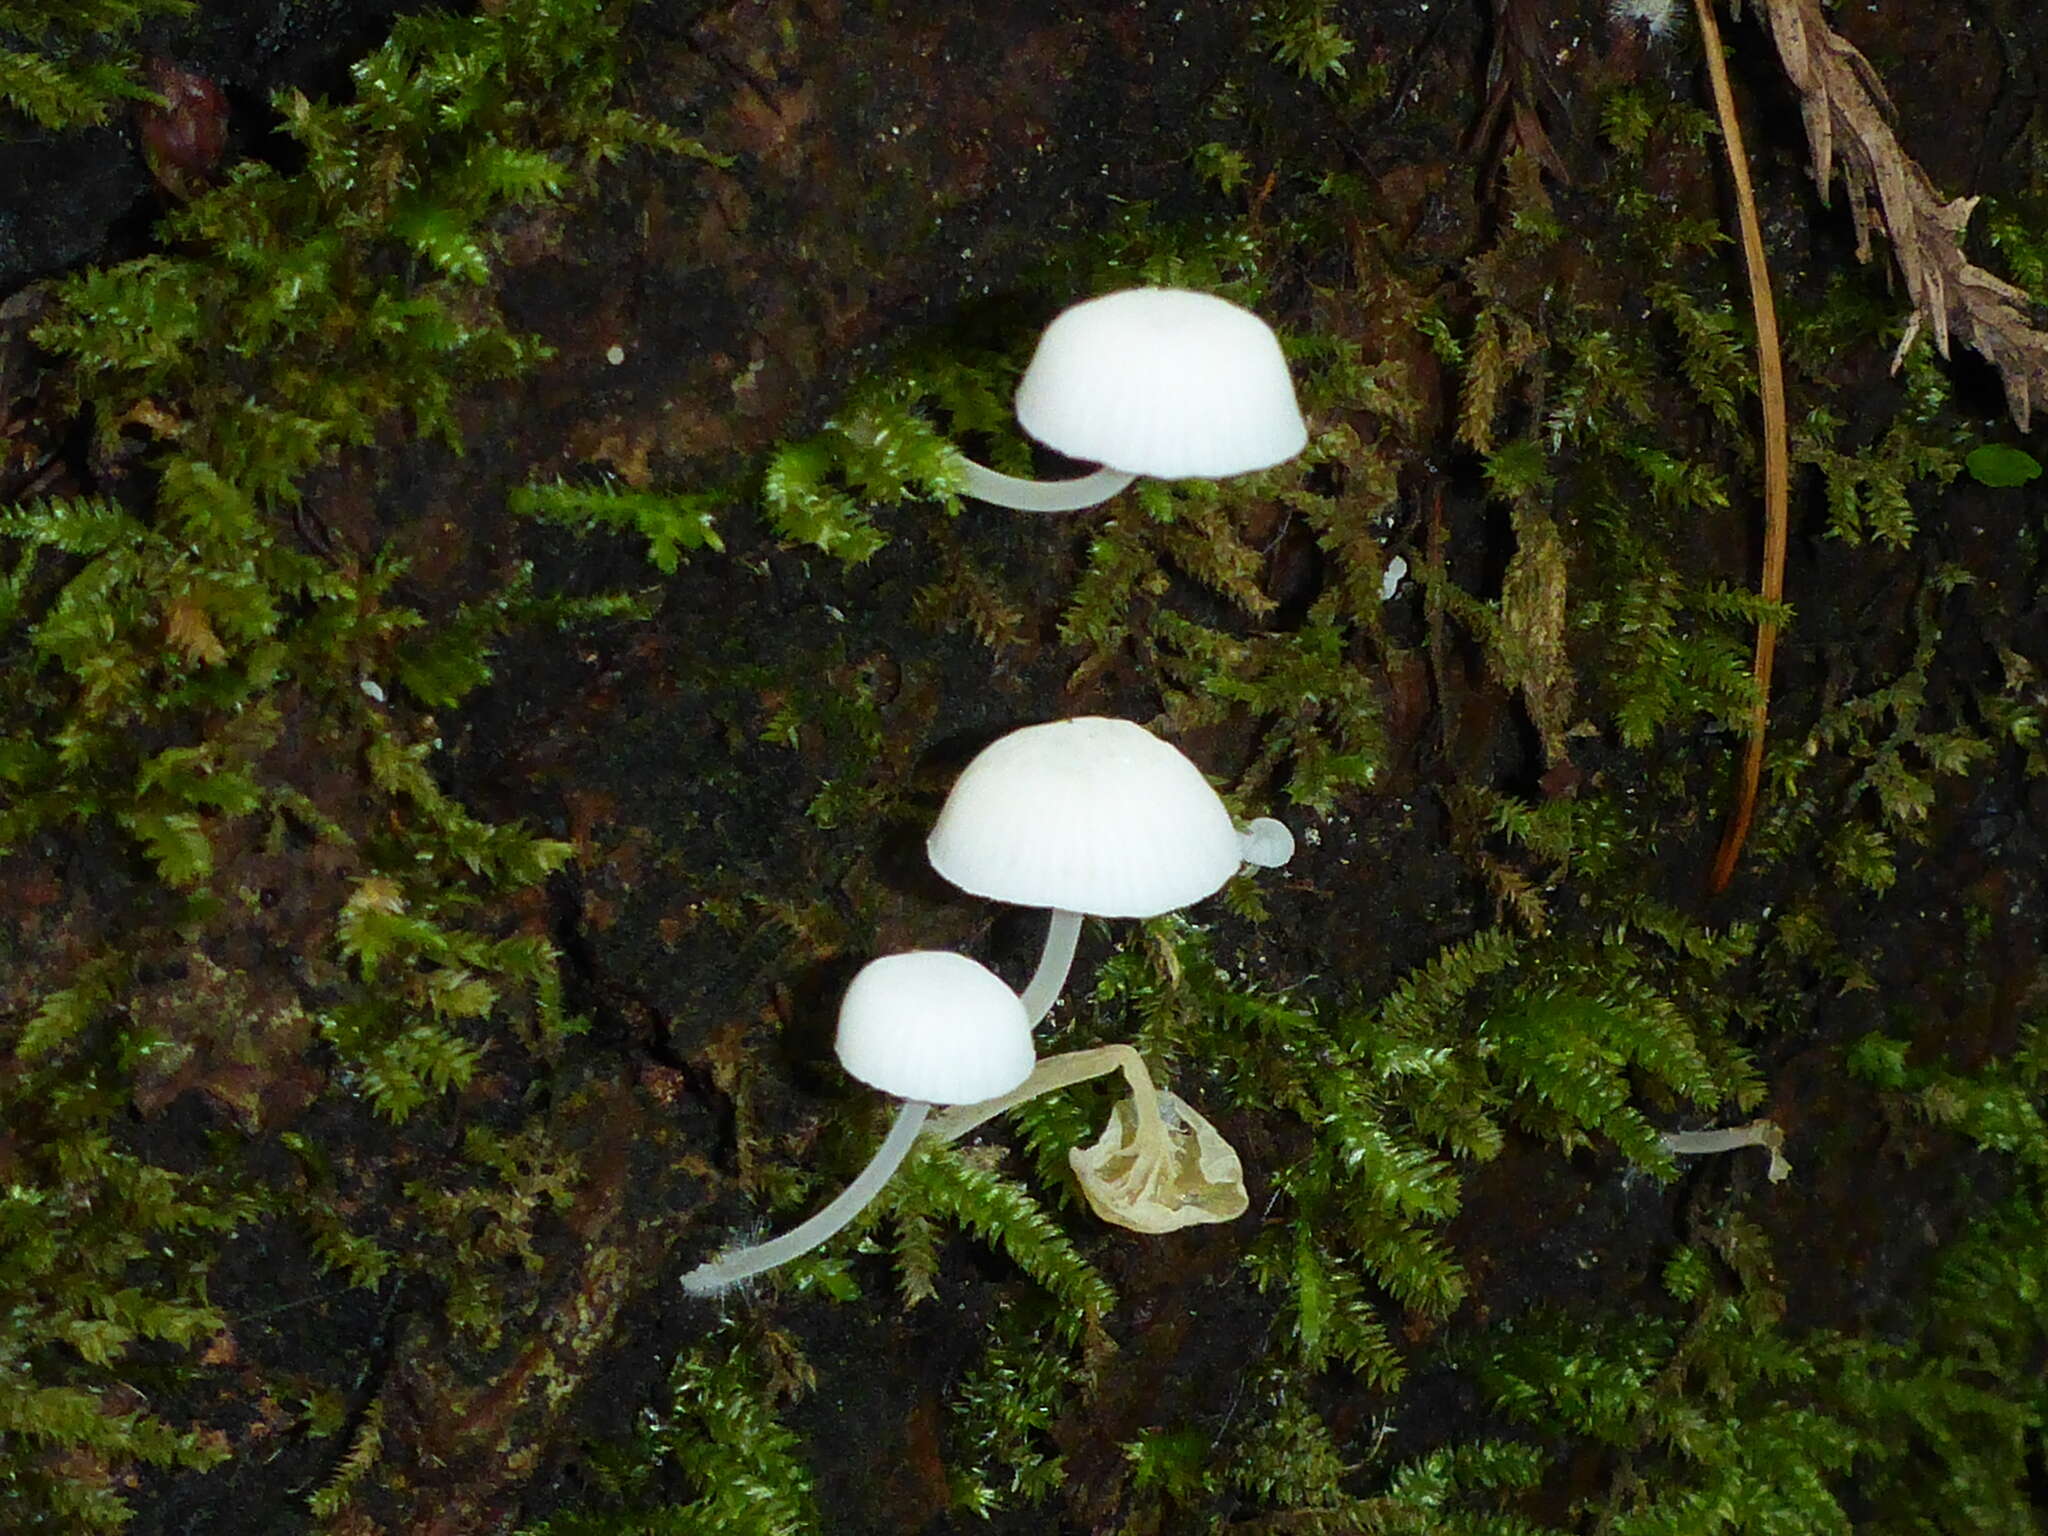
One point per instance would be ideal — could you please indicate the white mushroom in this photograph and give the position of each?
(930, 1027)
(1149, 381)
(1758, 1133)
(1158, 1165)
(934, 1027)
(1090, 816)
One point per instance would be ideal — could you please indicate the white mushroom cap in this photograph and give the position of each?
(1163, 382)
(934, 1027)
(1088, 815)
(1266, 843)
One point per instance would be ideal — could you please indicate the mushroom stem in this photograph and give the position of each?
(1758, 1133)
(738, 1264)
(1002, 490)
(1053, 1074)
(1062, 933)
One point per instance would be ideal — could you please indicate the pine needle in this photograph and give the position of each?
(1777, 455)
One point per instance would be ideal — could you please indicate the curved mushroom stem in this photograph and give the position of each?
(1053, 1074)
(1062, 933)
(1758, 1133)
(1002, 490)
(739, 1264)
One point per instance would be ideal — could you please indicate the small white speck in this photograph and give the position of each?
(369, 687)
(1658, 17)
(615, 354)
(1392, 577)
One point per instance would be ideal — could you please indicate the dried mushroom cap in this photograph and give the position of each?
(1164, 382)
(935, 1027)
(1177, 1171)
(1088, 815)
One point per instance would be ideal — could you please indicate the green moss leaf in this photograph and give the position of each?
(1996, 464)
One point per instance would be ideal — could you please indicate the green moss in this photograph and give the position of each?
(192, 670)
(1708, 1415)
(960, 1187)
(1603, 1009)
(70, 67)
(1005, 1412)
(190, 674)
(717, 1429)
(1303, 35)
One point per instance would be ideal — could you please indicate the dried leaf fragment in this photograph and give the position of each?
(1531, 652)
(1848, 119)
(191, 633)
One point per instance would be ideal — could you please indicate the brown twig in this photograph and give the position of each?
(1770, 373)
(1849, 129)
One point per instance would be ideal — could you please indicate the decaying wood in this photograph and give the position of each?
(1848, 124)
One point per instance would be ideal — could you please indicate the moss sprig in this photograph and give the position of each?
(73, 68)
(718, 1427)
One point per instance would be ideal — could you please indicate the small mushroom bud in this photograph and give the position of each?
(183, 139)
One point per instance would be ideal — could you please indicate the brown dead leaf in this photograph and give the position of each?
(768, 125)
(375, 893)
(190, 632)
(221, 1349)
(1531, 652)
(1848, 124)
(153, 418)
